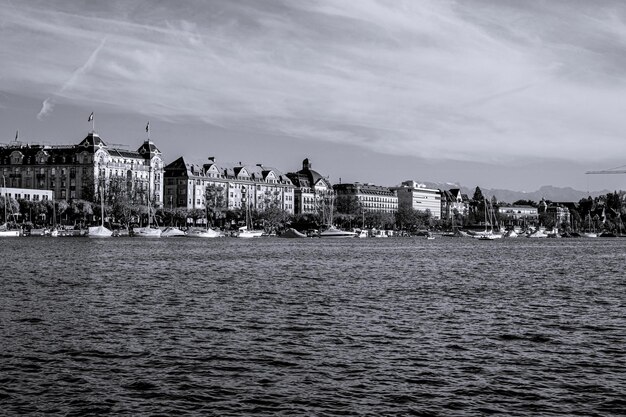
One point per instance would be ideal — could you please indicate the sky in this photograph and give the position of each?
(496, 93)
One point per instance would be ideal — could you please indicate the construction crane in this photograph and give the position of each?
(616, 170)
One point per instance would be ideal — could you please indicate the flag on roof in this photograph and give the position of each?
(148, 127)
(90, 117)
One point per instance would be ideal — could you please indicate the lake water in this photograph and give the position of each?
(312, 327)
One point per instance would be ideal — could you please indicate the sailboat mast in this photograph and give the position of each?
(102, 205)
(4, 188)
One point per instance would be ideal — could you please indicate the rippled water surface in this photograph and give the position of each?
(315, 327)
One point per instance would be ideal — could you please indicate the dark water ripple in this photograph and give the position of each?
(279, 327)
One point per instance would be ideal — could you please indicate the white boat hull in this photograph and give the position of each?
(334, 233)
(99, 232)
(246, 234)
(9, 233)
(292, 234)
(173, 232)
(147, 232)
(203, 233)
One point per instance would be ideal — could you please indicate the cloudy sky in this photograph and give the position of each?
(509, 94)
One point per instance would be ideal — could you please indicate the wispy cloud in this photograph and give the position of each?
(48, 104)
(476, 80)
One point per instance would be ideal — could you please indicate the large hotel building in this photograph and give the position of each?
(79, 171)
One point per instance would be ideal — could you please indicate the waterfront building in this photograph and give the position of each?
(370, 198)
(558, 211)
(311, 189)
(186, 185)
(420, 198)
(453, 200)
(29, 194)
(78, 171)
(519, 215)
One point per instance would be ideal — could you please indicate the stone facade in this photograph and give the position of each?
(79, 171)
(311, 190)
(186, 184)
(370, 198)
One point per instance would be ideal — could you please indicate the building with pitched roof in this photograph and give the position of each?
(186, 184)
(453, 200)
(311, 188)
(78, 171)
(370, 198)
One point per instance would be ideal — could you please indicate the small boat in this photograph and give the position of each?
(489, 236)
(6, 232)
(246, 233)
(204, 233)
(539, 233)
(99, 232)
(430, 236)
(172, 232)
(39, 232)
(147, 232)
(4, 228)
(362, 234)
(292, 233)
(590, 234)
(333, 232)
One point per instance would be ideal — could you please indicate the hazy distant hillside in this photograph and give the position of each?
(547, 191)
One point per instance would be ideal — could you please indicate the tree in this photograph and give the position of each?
(196, 214)
(214, 201)
(406, 217)
(274, 217)
(348, 204)
(525, 203)
(62, 207)
(81, 209)
(477, 207)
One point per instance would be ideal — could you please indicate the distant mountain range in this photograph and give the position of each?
(559, 194)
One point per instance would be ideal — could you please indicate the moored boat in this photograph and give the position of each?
(172, 232)
(292, 233)
(204, 233)
(246, 233)
(6, 232)
(333, 232)
(99, 232)
(147, 232)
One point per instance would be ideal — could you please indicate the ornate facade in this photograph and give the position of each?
(79, 171)
(186, 184)
(370, 198)
(311, 189)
